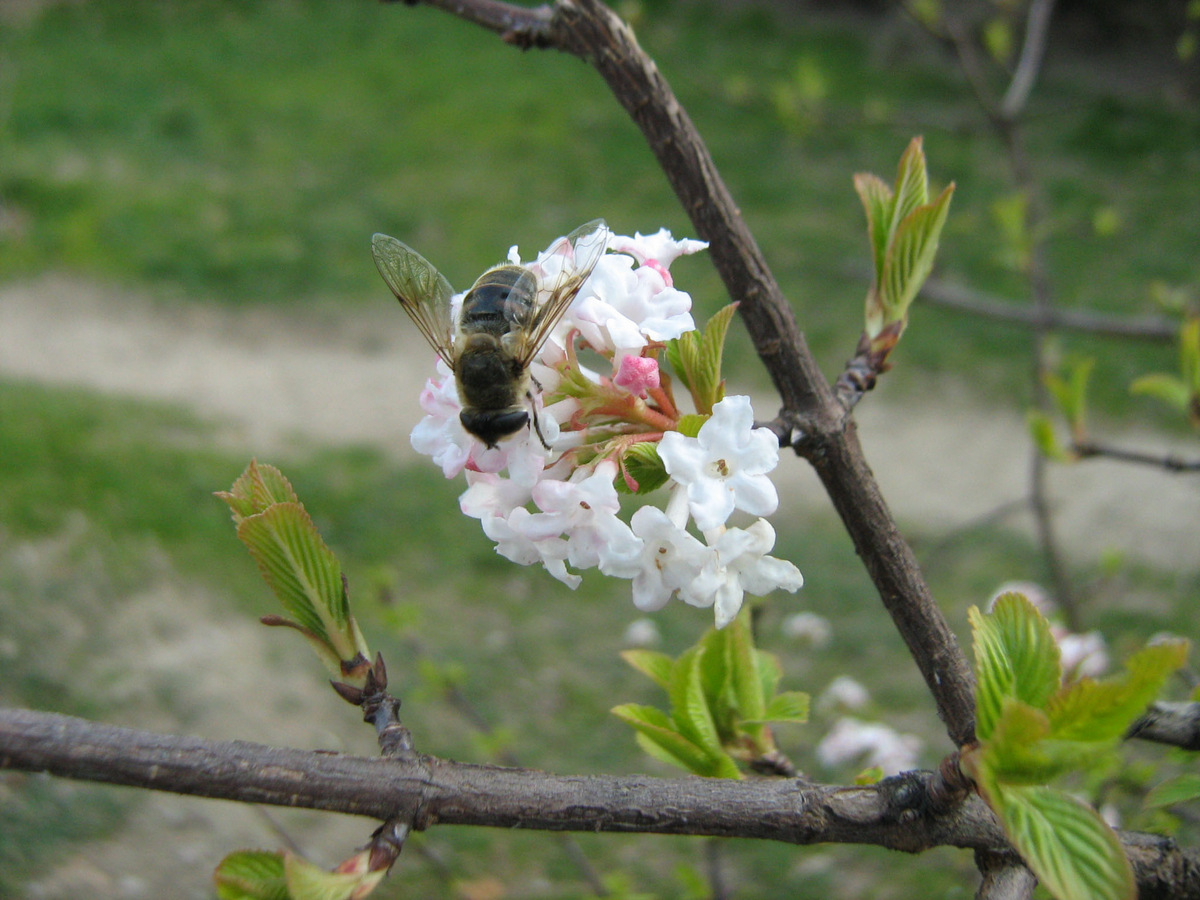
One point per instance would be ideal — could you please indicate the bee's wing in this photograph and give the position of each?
(586, 244)
(421, 289)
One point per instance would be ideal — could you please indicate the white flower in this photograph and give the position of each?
(659, 247)
(869, 744)
(671, 558)
(810, 627)
(740, 564)
(724, 467)
(843, 693)
(586, 512)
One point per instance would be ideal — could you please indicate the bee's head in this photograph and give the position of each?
(493, 425)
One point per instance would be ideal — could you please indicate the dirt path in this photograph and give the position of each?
(271, 380)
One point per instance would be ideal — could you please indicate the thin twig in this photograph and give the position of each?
(952, 296)
(1169, 461)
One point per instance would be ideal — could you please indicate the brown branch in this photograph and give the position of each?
(1005, 877)
(963, 299)
(429, 791)
(1169, 461)
(1176, 724)
(812, 420)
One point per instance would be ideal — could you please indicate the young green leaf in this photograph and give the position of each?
(654, 665)
(659, 737)
(1016, 657)
(789, 706)
(911, 254)
(876, 198)
(251, 875)
(690, 709)
(1167, 388)
(1180, 789)
(306, 881)
(642, 463)
(1041, 429)
(745, 678)
(1068, 846)
(1102, 711)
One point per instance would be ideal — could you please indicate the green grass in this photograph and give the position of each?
(245, 152)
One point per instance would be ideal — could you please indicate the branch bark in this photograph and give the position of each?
(424, 791)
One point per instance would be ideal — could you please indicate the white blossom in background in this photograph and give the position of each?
(867, 745)
(642, 632)
(843, 694)
(809, 627)
(1083, 655)
(560, 508)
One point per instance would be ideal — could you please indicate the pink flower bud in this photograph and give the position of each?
(637, 374)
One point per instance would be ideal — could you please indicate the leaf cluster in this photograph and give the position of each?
(1033, 728)
(723, 692)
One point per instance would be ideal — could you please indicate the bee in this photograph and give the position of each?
(504, 320)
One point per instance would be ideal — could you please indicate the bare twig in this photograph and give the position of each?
(1037, 23)
(952, 296)
(426, 791)
(1168, 461)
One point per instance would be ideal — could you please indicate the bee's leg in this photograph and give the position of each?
(537, 426)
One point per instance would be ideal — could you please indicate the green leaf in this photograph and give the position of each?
(1070, 393)
(912, 185)
(1020, 750)
(1016, 657)
(659, 737)
(690, 425)
(1180, 789)
(257, 488)
(306, 881)
(744, 676)
(1045, 438)
(1068, 846)
(299, 567)
(769, 672)
(1100, 711)
(876, 198)
(696, 359)
(1161, 386)
(643, 464)
(911, 254)
(251, 875)
(654, 665)
(789, 706)
(1189, 354)
(689, 705)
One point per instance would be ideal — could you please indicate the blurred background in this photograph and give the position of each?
(187, 193)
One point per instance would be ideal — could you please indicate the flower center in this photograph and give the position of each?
(719, 468)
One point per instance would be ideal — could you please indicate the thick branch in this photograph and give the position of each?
(1177, 724)
(816, 424)
(428, 791)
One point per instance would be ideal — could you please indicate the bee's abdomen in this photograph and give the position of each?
(489, 378)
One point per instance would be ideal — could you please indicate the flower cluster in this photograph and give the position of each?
(608, 413)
